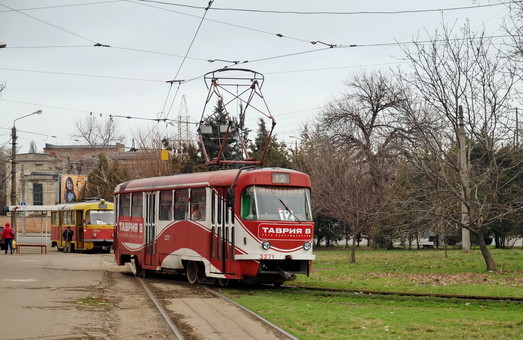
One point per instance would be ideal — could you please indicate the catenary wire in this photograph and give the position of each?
(279, 35)
(414, 11)
(248, 62)
(82, 75)
(48, 23)
(60, 6)
(183, 61)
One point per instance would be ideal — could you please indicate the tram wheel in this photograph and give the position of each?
(222, 282)
(277, 284)
(139, 270)
(191, 271)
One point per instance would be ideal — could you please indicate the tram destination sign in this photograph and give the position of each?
(131, 230)
(285, 232)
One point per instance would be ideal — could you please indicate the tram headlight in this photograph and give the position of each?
(266, 245)
(307, 246)
(94, 234)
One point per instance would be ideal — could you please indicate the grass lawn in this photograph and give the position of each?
(321, 315)
(421, 271)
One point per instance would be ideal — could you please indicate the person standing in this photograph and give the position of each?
(9, 236)
(68, 238)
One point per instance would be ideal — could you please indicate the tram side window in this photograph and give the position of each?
(166, 201)
(68, 218)
(248, 204)
(198, 204)
(55, 218)
(137, 205)
(180, 204)
(124, 205)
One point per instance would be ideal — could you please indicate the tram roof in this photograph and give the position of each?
(212, 178)
(95, 204)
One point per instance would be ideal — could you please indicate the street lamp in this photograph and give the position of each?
(13, 168)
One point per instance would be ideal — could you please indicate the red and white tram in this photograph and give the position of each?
(253, 225)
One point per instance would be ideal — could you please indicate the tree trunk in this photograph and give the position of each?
(353, 251)
(499, 240)
(487, 256)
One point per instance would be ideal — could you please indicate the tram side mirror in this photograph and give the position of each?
(230, 198)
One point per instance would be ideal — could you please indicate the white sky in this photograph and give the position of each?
(50, 63)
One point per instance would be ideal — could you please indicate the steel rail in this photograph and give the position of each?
(267, 322)
(431, 295)
(162, 311)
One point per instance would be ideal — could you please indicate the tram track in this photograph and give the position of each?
(413, 294)
(197, 316)
(162, 311)
(151, 287)
(175, 330)
(265, 321)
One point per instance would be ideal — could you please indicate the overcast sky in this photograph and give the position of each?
(51, 64)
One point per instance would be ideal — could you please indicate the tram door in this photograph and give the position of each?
(79, 229)
(150, 228)
(222, 230)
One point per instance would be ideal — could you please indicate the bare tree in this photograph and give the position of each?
(95, 132)
(340, 187)
(147, 161)
(453, 71)
(514, 27)
(360, 134)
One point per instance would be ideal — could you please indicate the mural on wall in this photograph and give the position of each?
(73, 186)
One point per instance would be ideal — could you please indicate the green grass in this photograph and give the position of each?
(420, 271)
(320, 315)
(312, 315)
(99, 302)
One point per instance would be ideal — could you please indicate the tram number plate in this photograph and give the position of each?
(267, 256)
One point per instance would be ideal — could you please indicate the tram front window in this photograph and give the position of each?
(99, 217)
(276, 204)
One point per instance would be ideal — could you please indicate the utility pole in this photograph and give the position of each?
(13, 169)
(465, 182)
(13, 177)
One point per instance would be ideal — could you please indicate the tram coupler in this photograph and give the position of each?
(287, 276)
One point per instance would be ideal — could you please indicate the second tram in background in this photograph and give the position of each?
(253, 225)
(91, 221)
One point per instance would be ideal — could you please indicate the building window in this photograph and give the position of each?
(38, 194)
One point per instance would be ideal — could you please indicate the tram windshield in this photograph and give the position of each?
(99, 217)
(276, 204)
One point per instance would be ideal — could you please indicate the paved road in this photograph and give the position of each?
(87, 296)
(40, 294)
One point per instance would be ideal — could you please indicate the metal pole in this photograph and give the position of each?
(13, 170)
(13, 178)
(22, 193)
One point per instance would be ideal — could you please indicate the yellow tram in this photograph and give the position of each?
(92, 223)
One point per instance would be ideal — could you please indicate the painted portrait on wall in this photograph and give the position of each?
(72, 187)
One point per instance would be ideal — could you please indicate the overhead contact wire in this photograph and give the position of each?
(413, 11)
(48, 23)
(184, 58)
